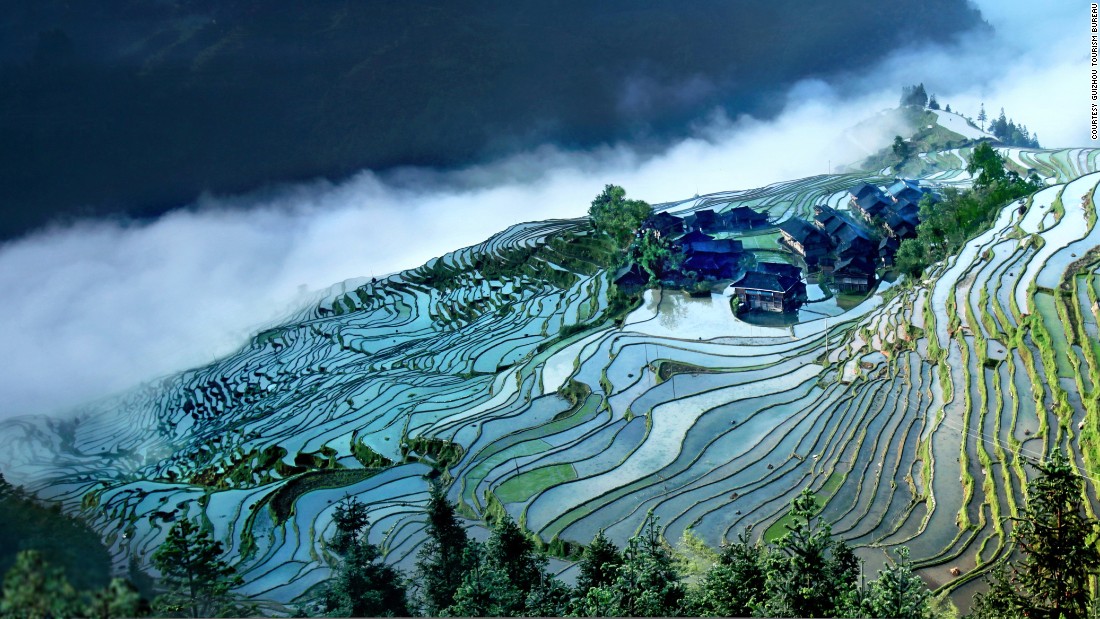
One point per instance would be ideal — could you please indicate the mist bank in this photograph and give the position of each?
(97, 306)
(137, 107)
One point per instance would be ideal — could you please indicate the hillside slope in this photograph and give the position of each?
(913, 413)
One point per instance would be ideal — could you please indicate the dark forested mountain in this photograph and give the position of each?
(138, 105)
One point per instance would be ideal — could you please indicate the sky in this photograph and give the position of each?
(93, 308)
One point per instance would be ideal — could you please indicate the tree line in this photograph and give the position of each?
(946, 223)
(806, 573)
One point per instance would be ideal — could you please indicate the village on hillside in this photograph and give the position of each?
(843, 249)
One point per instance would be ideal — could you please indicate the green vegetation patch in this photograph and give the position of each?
(1044, 303)
(64, 541)
(529, 483)
(767, 240)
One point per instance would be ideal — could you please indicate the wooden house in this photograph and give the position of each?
(848, 238)
(910, 191)
(631, 277)
(707, 265)
(854, 274)
(694, 236)
(667, 224)
(869, 201)
(712, 258)
(887, 249)
(744, 218)
(705, 220)
(779, 268)
(807, 240)
(769, 292)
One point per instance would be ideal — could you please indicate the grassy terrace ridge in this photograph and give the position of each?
(517, 374)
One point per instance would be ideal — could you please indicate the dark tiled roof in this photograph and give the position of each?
(801, 231)
(718, 246)
(855, 264)
(872, 204)
(720, 265)
(744, 214)
(756, 280)
(703, 218)
(694, 236)
(863, 190)
(901, 184)
(909, 212)
(633, 275)
(667, 223)
(849, 234)
(779, 268)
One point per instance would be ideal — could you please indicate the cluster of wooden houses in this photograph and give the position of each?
(704, 257)
(768, 286)
(839, 244)
(896, 211)
(847, 246)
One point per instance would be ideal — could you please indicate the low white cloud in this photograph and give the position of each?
(94, 308)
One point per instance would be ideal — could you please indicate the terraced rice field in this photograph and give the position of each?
(913, 414)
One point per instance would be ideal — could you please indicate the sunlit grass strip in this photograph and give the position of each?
(988, 487)
(527, 484)
(967, 480)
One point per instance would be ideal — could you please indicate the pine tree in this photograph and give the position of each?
(734, 585)
(999, 127)
(648, 584)
(982, 117)
(197, 580)
(810, 575)
(350, 519)
(932, 103)
(118, 599)
(549, 598)
(512, 551)
(484, 590)
(35, 589)
(362, 586)
(1058, 543)
(506, 571)
(898, 592)
(599, 564)
(442, 561)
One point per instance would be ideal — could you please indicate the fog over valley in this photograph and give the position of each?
(114, 272)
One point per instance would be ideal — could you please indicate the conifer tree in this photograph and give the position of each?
(1058, 543)
(196, 579)
(118, 599)
(484, 590)
(599, 564)
(442, 561)
(898, 592)
(361, 586)
(514, 553)
(811, 575)
(734, 586)
(35, 589)
(648, 583)
(550, 598)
